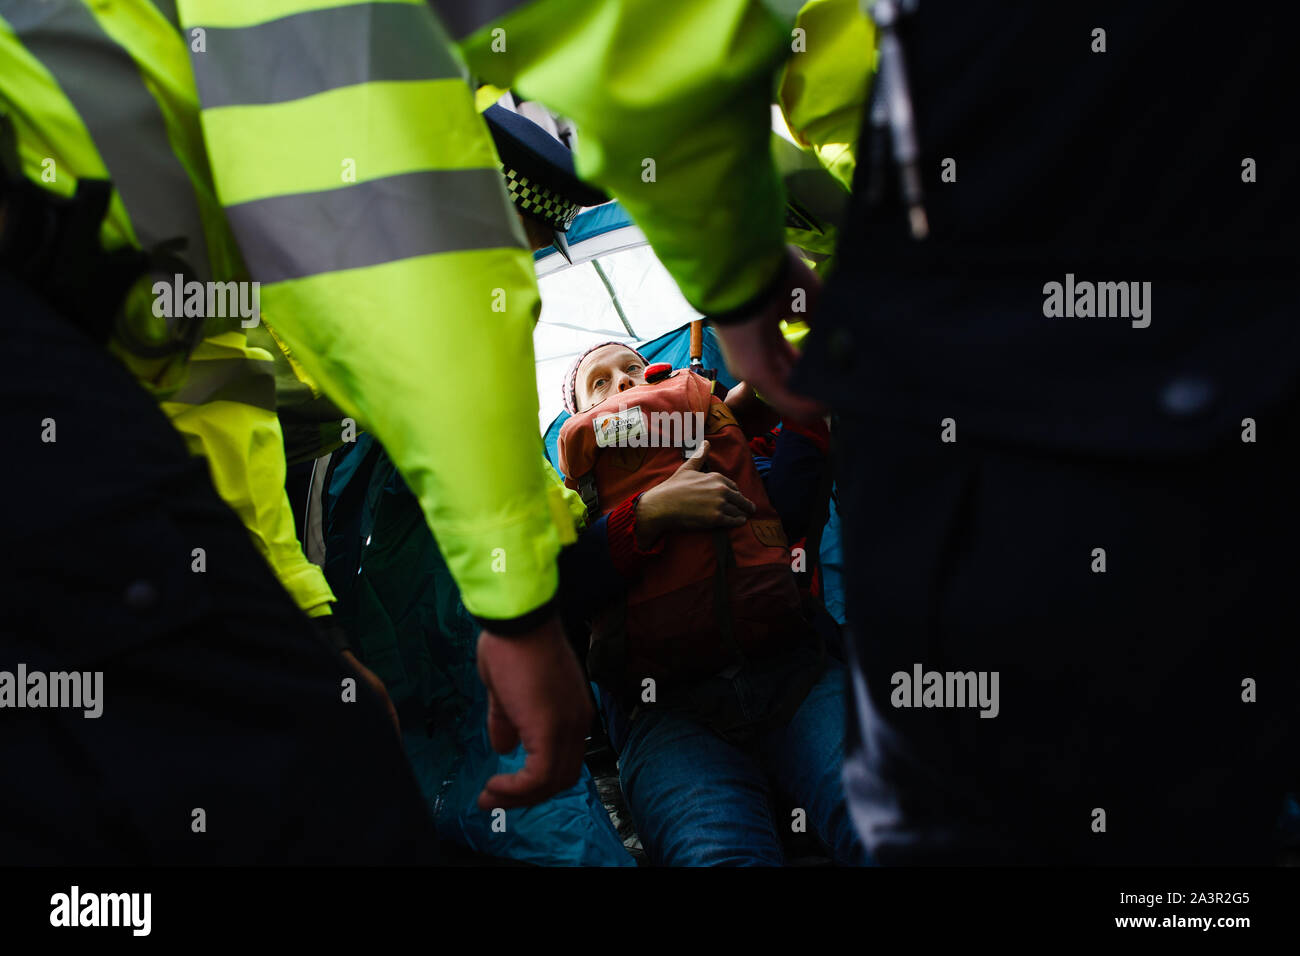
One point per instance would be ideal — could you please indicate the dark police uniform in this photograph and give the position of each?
(217, 695)
(1153, 680)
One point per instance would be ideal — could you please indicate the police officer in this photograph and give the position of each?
(129, 565)
(229, 732)
(1062, 347)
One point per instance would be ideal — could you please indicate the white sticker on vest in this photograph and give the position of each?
(622, 428)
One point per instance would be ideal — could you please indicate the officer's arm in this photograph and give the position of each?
(673, 108)
(823, 90)
(225, 410)
(363, 189)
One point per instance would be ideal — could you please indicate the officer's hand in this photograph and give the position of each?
(371, 680)
(537, 696)
(757, 352)
(690, 499)
(754, 415)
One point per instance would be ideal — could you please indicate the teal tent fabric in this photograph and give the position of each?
(403, 613)
(591, 223)
(832, 562)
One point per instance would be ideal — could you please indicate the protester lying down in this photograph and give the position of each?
(715, 686)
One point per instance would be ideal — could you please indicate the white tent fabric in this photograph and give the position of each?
(578, 310)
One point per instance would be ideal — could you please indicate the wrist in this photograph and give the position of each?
(756, 304)
(648, 519)
(523, 626)
(329, 630)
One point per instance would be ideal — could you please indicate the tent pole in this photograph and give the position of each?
(697, 344)
(613, 297)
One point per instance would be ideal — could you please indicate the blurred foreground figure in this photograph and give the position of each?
(225, 732)
(1063, 346)
(163, 189)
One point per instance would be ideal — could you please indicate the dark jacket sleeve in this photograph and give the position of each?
(604, 559)
(794, 474)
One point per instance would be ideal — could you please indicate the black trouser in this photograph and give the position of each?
(1119, 691)
(217, 694)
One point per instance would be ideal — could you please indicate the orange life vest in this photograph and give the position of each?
(710, 598)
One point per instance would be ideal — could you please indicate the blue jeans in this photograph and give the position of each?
(699, 800)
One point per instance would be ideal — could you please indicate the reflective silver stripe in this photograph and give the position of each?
(244, 380)
(320, 50)
(463, 17)
(411, 214)
(105, 86)
(314, 522)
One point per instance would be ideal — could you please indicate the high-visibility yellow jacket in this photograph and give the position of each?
(105, 91)
(331, 151)
(824, 87)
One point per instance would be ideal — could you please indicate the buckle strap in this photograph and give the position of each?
(590, 497)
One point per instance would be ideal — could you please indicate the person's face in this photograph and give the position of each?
(605, 372)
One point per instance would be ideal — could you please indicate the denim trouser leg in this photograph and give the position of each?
(805, 758)
(696, 799)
